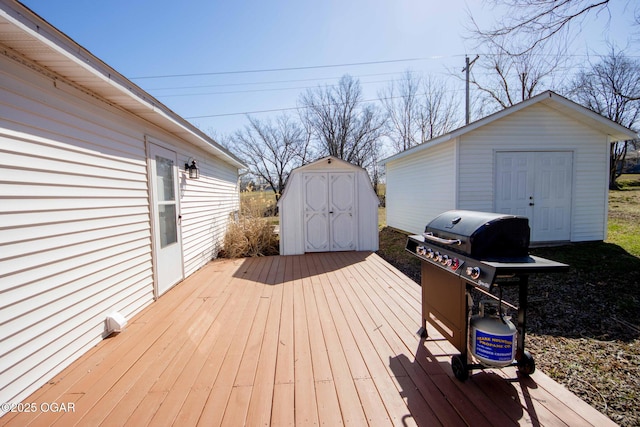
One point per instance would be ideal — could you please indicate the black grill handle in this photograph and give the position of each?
(440, 240)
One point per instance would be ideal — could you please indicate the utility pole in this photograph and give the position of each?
(467, 68)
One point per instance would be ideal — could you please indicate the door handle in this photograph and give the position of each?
(531, 204)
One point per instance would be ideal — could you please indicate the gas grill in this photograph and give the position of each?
(466, 253)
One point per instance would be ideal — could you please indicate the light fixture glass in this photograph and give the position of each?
(194, 172)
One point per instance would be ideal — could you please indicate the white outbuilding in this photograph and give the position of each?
(546, 158)
(328, 205)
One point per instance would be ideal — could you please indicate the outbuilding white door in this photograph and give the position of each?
(166, 231)
(329, 211)
(537, 185)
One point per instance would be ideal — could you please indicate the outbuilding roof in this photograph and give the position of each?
(315, 163)
(548, 98)
(27, 37)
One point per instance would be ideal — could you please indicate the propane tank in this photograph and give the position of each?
(492, 335)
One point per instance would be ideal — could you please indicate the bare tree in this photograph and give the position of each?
(342, 124)
(438, 109)
(400, 102)
(604, 88)
(417, 110)
(272, 150)
(536, 22)
(504, 79)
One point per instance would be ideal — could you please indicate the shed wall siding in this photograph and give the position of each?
(420, 187)
(367, 213)
(291, 214)
(291, 208)
(75, 236)
(539, 128)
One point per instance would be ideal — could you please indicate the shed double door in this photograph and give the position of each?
(329, 211)
(537, 185)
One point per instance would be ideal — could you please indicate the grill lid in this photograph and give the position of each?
(482, 235)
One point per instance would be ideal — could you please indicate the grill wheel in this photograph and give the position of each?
(526, 364)
(459, 367)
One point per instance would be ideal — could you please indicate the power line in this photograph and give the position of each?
(261, 90)
(290, 80)
(311, 67)
(271, 82)
(266, 70)
(275, 110)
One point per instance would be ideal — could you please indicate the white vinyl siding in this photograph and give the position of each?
(591, 190)
(420, 187)
(75, 230)
(538, 128)
(291, 212)
(206, 205)
(420, 183)
(74, 240)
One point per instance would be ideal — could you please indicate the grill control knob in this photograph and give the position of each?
(420, 250)
(437, 257)
(446, 260)
(429, 253)
(455, 264)
(473, 272)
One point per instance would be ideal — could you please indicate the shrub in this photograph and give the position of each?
(249, 237)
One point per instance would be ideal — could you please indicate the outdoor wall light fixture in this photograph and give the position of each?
(194, 172)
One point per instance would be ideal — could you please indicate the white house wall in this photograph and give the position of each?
(75, 236)
(206, 205)
(539, 128)
(420, 187)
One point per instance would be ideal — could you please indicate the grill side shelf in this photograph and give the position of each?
(533, 264)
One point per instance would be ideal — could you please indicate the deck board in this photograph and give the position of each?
(298, 340)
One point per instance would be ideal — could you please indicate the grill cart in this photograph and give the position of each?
(465, 252)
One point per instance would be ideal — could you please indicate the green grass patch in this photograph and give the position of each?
(625, 234)
(624, 215)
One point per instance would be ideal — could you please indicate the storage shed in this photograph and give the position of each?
(328, 205)
(98, 214)
(546, 158)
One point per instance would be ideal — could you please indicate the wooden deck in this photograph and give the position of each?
(298, 340)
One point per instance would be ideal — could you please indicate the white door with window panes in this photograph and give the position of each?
(166, 218)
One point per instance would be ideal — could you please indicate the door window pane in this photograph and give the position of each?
(168, 229)
(164, 172)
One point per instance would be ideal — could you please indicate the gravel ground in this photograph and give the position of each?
(583, 327)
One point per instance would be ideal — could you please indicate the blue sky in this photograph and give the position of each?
(144, 38)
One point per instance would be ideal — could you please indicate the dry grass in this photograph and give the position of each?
(259, 204)
(253, 233)
(250, 237)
